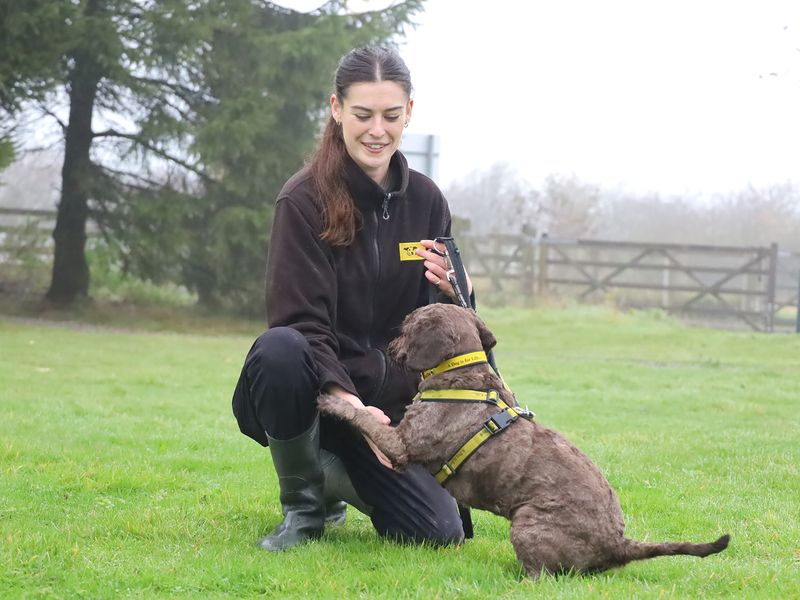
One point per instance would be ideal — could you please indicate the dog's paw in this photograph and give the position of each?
(335, 407)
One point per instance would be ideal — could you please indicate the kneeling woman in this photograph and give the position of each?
(342, 273)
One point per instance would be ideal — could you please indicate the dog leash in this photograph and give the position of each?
(456, 273)
(457, 276)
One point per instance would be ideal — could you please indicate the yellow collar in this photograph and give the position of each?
(461, 360)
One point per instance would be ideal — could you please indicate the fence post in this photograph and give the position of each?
(541, 275)
(527, 272)
(773, 271)
(797, 323)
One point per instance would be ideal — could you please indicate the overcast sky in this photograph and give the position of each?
(672, 96)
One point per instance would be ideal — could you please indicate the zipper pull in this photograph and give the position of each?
(385, 205)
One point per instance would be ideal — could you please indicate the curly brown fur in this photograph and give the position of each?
(564, 514)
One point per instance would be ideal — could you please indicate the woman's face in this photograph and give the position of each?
(372, 117)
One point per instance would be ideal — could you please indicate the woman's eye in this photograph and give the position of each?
(392, 118)
(362, 117)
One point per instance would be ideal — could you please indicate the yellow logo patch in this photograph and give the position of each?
(407, 251)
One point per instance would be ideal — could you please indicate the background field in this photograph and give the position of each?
(122, 472)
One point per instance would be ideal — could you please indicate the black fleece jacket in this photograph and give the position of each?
(349, 302)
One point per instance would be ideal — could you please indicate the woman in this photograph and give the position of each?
(340, 280)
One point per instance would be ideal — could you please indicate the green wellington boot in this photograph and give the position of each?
(339, 491)
(302, 484)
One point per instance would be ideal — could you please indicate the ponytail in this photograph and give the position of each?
(340, 216)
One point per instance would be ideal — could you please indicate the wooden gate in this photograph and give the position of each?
(747, 284)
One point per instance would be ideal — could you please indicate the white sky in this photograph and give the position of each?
(672, 96)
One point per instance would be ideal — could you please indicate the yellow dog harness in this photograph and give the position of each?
(494, 425)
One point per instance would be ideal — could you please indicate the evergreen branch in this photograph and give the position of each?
(147, 145)
(185, 93)
(43, 108)
(146, 184)
(187, 114)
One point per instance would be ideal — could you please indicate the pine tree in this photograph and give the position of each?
(183, 118)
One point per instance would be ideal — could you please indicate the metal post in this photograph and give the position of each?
(429, 155)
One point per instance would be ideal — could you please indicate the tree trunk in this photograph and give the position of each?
(70, 280)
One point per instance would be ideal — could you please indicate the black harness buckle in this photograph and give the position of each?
(499, 421)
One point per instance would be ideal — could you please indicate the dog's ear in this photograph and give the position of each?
(398, 351)
(488, 341)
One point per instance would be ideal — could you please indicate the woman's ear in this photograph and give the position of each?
(336, 109)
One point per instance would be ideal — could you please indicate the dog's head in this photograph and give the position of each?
(434, 333)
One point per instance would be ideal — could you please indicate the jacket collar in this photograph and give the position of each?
(367, 194)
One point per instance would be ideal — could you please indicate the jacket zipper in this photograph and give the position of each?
(385, 205)
(377, 248)
(377, 265)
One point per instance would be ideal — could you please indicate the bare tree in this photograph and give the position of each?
(568, 207)
(497, 200)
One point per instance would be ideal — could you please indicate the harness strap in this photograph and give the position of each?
(494, 425)
(490, 397)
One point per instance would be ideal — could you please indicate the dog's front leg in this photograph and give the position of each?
(384, 437)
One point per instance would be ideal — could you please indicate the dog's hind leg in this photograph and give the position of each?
(539, 546)
(384, 437)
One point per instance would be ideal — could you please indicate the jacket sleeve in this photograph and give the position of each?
(301, 288)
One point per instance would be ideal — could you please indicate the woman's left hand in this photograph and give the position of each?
(376, 412)
(436, 268)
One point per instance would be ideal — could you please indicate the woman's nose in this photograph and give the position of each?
(377, 127)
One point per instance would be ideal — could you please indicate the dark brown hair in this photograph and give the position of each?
(340, 215)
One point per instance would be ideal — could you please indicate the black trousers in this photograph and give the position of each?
(276, 393)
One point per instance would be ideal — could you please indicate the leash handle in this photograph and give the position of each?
(456, 273)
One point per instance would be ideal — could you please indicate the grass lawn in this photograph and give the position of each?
(123, 474)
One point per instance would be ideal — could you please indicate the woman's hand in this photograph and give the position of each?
(436, 267)
(340, 392)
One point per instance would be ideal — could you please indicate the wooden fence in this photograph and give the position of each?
(25, 232)
(755, 286)
(12, 219)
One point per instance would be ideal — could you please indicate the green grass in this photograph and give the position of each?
(123, 474)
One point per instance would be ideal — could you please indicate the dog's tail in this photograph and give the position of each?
(633, 550)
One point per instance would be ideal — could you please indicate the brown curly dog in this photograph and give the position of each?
(564, 514)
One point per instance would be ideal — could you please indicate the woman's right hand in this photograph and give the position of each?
(376, 412)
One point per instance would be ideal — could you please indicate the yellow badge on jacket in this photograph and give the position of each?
(408, 251)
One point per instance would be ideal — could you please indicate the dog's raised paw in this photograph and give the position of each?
(335, 406)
